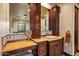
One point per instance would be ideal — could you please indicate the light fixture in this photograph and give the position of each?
(45, 15)
(28, 7)
(28, 10)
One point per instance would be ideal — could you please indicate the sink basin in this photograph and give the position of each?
(50, 37)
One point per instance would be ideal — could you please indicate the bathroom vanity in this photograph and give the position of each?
(41, 49)
(44, 46)
(49, 45)
(55, 46)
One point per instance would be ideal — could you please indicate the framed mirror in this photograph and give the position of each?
(19, 17)
(45, 21)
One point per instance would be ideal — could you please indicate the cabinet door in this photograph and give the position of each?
(42, 49)
(51, 50)
(61, 46)
(57, 49)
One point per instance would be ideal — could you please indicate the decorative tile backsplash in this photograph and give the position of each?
(17, 37)
(12, 37)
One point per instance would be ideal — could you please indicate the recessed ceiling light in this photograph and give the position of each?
(44, 15)
(28, 10)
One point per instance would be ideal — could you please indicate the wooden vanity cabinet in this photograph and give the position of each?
(55, 48)
(54, 20)
(41, 49)
(35, 21)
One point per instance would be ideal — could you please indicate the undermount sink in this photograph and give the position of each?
(50, 37)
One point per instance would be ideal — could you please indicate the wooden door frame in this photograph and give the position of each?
(75, 40)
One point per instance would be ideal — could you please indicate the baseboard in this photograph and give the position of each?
(67, 54)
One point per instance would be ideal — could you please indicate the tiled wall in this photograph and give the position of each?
(12, 37)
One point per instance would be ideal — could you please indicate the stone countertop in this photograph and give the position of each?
(42, 39)
(18, 45)
(25, 44)
(48, 38)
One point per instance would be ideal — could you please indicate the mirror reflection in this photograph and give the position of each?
(19, 17)
(45, 21)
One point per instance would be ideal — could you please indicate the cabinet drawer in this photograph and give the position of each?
(41, 49)
(55, 42)
(42, 44)
(42, 52)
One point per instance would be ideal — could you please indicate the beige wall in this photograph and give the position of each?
(67, 23)
(4, 20)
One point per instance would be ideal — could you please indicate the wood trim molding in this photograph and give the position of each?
(67, 54)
